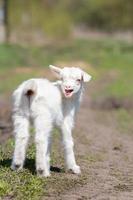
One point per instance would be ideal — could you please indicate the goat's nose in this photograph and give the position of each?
(67, 87)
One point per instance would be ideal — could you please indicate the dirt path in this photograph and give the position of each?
(105, 156)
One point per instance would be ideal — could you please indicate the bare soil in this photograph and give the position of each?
(104, 154)
(111, 102)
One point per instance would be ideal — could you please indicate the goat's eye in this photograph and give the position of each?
(78, 80)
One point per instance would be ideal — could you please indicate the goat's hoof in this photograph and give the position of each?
(17, 167)
(42, 173)
(76, 169)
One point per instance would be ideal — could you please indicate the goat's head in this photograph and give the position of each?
(72, 79)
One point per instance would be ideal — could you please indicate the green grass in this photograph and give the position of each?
(26, 184)
(19, 185)
(104, 57)
(103, 54)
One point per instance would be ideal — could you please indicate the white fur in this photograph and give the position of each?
(49, 105)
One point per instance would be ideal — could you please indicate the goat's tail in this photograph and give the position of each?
(24, 95)
(28, 94)
(30, 89)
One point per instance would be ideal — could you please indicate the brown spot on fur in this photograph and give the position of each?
(30, 93)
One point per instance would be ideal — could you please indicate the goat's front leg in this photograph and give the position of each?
(42, 140)
(68, 147)
(21, 130)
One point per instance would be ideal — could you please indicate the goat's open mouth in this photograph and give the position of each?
(68, 92)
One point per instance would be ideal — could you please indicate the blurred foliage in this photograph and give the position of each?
(56, 17)
(104, 15)
(48, 17)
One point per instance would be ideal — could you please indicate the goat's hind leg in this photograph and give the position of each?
(21, 130)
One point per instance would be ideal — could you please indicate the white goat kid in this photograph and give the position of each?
(47, 104)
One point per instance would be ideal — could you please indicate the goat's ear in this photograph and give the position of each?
(55, 70)
(86, 77)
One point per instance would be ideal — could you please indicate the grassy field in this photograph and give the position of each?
(99, 57)
(25, 184)
(110, 63)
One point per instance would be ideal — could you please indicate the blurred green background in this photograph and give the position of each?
(96, 33)
(93, 34)
(57, 18)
